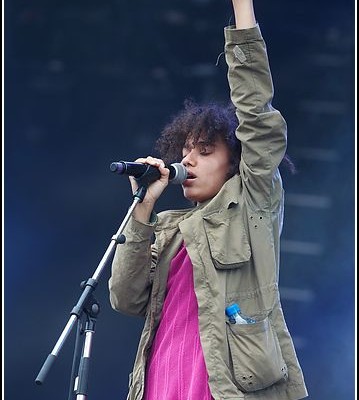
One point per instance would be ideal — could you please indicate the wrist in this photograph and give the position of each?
(142, 212)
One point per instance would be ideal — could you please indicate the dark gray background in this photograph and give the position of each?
(92, 82)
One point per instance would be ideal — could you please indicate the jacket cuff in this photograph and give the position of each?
(140, 231)
(238, 36)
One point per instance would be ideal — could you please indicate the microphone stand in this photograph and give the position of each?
(79, 383)
(87, 305)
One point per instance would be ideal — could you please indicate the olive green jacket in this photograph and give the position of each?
(233, 243)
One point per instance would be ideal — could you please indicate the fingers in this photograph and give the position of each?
(156, 162)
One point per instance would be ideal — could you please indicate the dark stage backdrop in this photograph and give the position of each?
(92, 82)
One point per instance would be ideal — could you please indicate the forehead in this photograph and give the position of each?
(200, 141)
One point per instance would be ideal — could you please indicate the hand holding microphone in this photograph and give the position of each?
(152, 172)
(177, 175)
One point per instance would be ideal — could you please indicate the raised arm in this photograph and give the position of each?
(244, 14)
(261, 129)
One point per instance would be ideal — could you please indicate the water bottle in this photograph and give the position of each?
(235, 316)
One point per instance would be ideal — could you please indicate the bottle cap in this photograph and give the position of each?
(232, 309)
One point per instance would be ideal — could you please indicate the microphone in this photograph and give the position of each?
(178, 172)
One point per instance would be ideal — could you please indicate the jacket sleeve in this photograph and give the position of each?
(262, 130)
(130, 284)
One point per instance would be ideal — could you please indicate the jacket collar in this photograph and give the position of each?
(225, 198)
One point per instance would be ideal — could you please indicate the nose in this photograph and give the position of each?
(189, 159)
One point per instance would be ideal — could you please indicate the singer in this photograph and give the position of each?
(223, 250)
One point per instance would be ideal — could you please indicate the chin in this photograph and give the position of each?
(189, 196)
(194, 199)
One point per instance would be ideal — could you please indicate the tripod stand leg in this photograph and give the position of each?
(84, 367)
(75, 360)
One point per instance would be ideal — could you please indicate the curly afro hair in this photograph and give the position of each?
(209, 123)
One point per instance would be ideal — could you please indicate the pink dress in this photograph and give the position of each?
(176, 369)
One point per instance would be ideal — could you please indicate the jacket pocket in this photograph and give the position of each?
(256, 356)
(227, 239)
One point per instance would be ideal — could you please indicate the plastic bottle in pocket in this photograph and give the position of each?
(235, 315)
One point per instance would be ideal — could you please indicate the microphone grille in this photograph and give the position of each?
(180, 174)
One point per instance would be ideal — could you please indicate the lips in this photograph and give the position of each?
(190, 175)
(189, 179)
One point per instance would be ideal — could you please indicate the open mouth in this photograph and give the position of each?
(190, 175)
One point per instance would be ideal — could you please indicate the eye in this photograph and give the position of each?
(205, 150)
